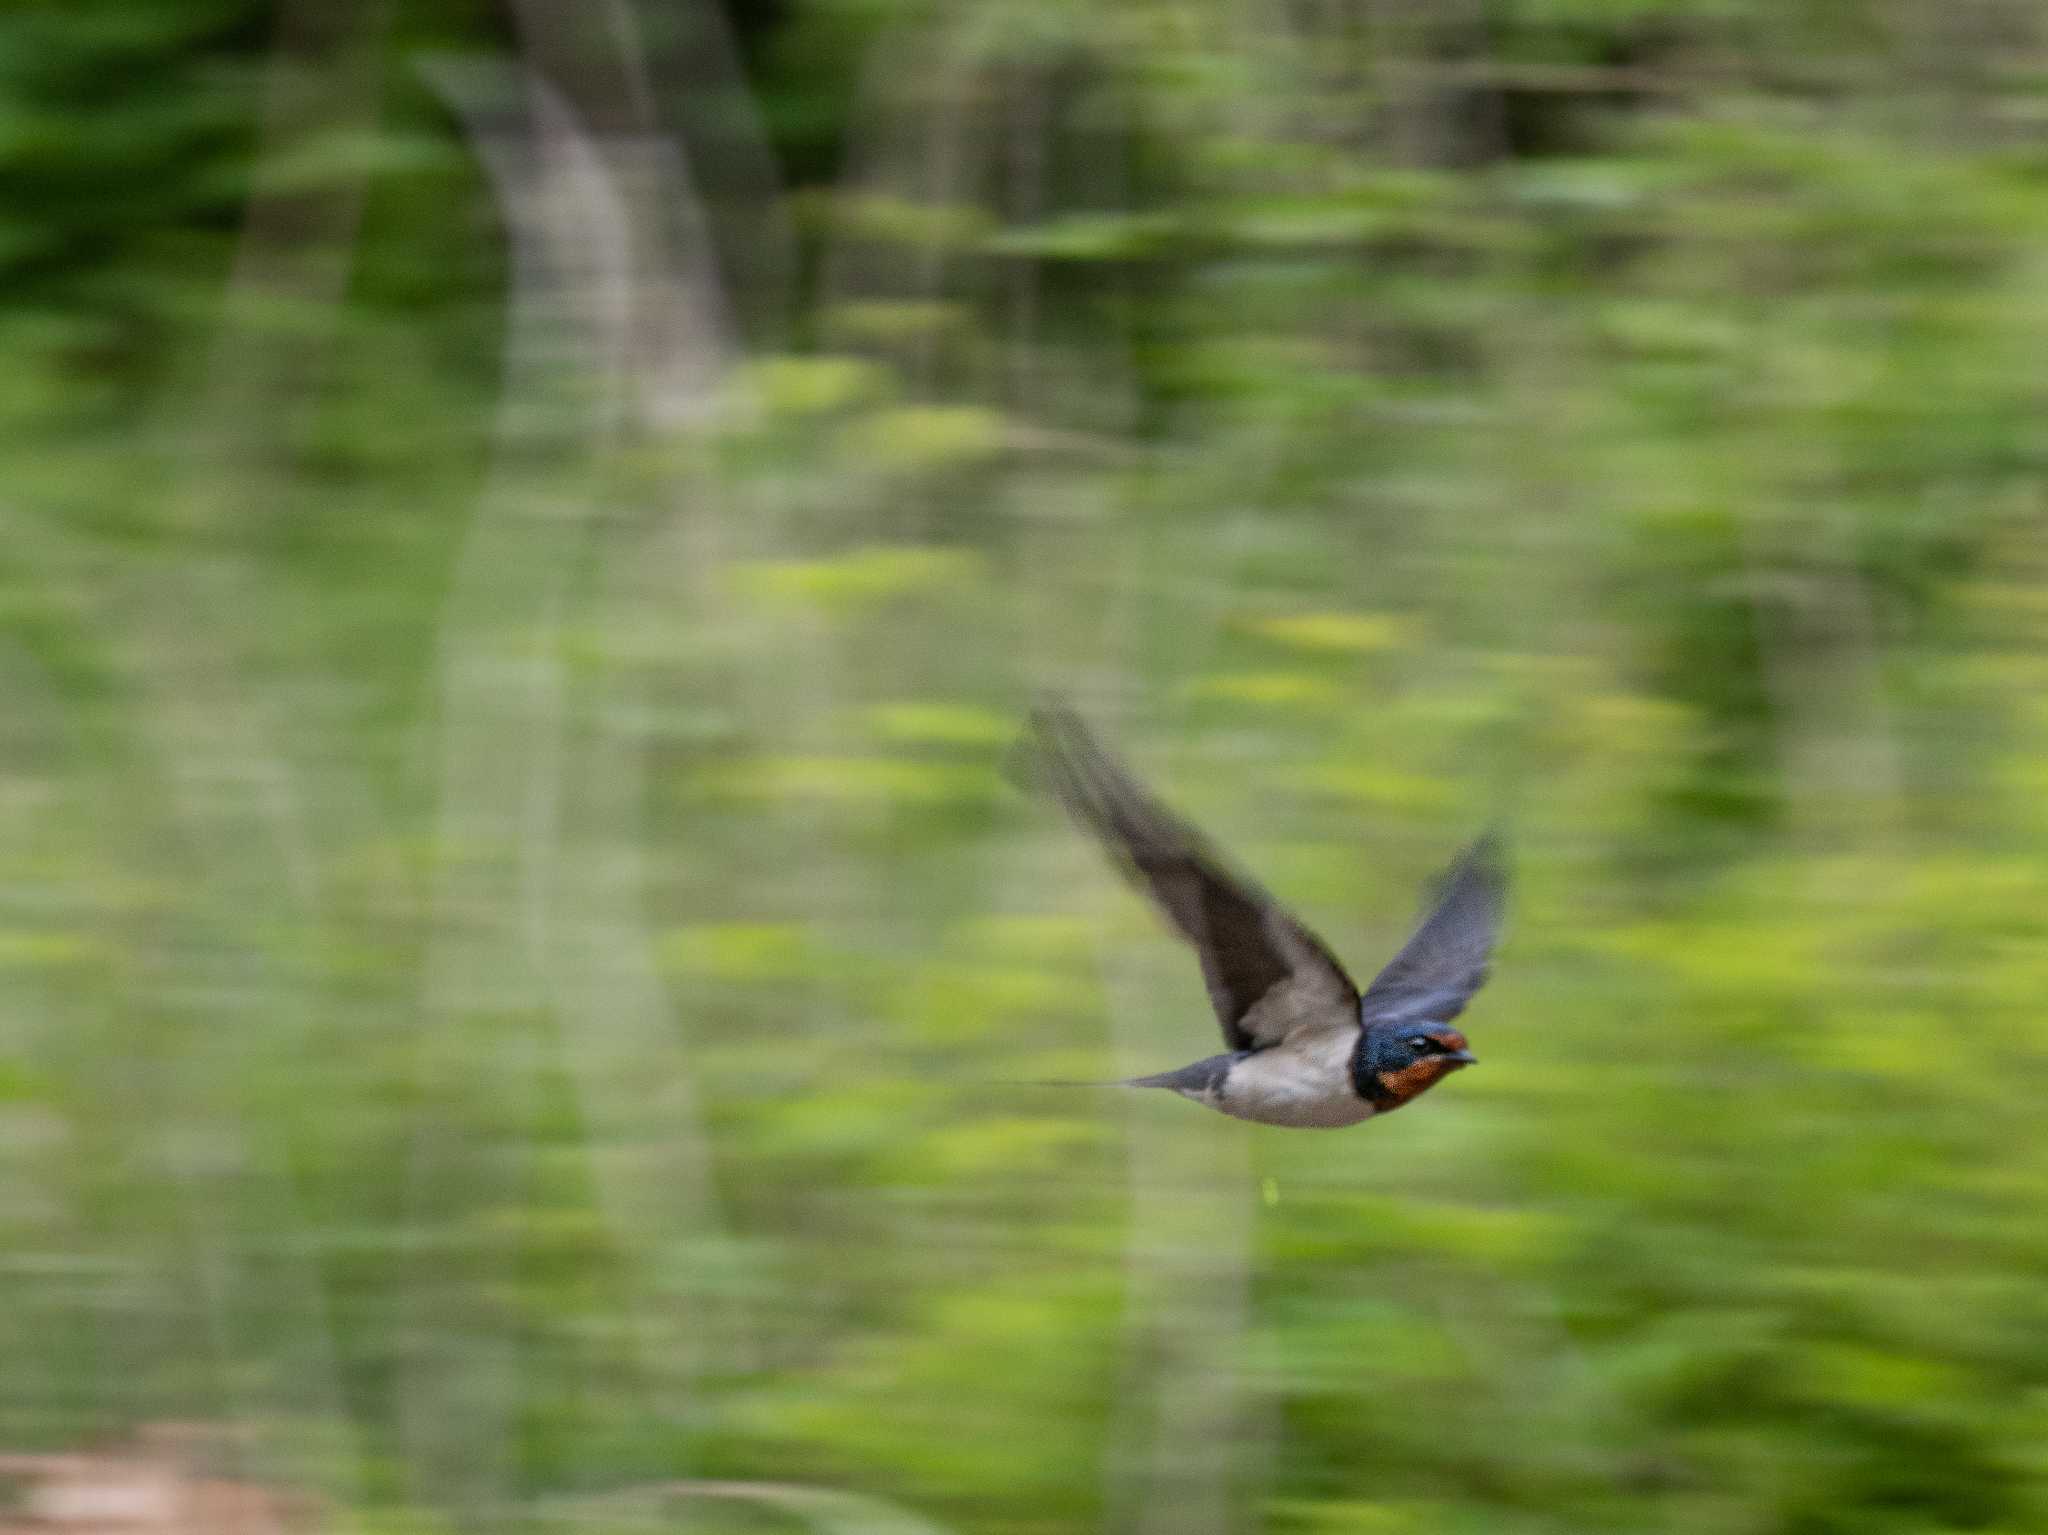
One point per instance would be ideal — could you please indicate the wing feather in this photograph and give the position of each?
(1445, 961)
(1267, 974)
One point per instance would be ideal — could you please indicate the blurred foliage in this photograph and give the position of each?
(515, 1000)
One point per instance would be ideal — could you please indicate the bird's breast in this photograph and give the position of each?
(1304, 1083)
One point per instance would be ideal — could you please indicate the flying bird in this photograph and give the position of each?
(1307, 1048)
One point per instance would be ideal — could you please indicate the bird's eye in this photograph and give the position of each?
(1421, 1042)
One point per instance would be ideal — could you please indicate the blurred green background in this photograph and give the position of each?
(528, 529)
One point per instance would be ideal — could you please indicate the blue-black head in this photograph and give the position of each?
(1396, 1061)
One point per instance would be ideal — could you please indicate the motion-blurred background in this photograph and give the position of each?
(526, 530)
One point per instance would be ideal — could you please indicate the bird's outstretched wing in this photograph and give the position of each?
(1268, 975)
(1444, 963)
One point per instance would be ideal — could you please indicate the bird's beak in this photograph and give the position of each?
(1461, 1058)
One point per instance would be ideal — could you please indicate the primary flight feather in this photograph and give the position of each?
(1307, 1048)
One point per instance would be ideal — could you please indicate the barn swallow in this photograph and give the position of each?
(1307, 1048)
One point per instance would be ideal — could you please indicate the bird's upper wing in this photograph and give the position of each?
(1268, 975)
(1444, 963)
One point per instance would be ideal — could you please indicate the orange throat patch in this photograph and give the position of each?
(1411, 1080)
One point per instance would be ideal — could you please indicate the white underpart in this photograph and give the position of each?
(1303, 1083)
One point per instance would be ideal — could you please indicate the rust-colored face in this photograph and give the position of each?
(1424, 1074)
(1412, 1063)
(1451, 1042)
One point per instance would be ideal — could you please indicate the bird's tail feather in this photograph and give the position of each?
(1074, 1082)
(1175, 1079)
